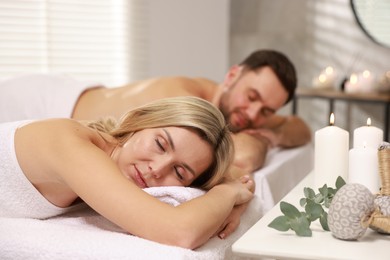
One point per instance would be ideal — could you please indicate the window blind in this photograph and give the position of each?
(99, 40)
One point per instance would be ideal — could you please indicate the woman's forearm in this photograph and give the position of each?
(201, 217)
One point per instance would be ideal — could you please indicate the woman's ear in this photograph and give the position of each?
(231, 76)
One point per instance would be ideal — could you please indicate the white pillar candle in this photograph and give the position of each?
(369, 136)
(364, 167)
(331, 149)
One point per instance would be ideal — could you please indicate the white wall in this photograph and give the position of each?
(189, 38)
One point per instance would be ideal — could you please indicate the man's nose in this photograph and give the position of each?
(254, 111)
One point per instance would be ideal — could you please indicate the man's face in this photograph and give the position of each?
(251, 97)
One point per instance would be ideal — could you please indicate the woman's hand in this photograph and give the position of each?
(245, 185)
(232, 222)
(243, 188)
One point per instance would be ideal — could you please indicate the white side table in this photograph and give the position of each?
(260, 241)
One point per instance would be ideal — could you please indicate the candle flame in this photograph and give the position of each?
(322, 78)
(353, 79)
(329, 70)
(366, 74)
(331, 119)
(368, 121)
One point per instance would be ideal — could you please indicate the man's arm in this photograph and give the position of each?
(290, 131)
(252, 145)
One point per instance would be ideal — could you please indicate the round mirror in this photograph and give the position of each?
(373, 16)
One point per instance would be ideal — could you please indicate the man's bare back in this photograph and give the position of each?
(98, 102)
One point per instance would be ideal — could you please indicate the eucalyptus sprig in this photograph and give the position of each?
(315, 206)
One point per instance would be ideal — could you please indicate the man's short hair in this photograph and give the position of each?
(279, 63)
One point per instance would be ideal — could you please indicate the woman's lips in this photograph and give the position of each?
(139, 180)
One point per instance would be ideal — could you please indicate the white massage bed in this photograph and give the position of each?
(85, 235)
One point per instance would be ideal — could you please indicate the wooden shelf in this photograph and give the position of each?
(337, 94)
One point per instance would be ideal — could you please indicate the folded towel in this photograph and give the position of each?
(174, 195)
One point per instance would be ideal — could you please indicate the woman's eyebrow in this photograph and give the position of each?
(170, 139)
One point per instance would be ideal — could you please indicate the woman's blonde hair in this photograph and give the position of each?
(190, 112)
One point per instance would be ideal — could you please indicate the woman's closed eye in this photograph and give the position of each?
(178, 170)
(160, 145)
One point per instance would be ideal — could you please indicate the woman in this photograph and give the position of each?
(177, 141)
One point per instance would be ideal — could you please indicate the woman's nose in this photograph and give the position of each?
(158, 169)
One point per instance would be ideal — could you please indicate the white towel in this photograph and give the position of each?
(174, 195)
(84, 234)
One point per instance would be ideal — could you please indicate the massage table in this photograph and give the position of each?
(83, 234)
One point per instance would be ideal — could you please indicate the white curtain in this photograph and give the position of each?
(99, 40)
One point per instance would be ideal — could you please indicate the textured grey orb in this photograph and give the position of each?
(352, 203)
(384, 204)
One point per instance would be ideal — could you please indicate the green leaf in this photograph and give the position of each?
(324, 221)
(318, 198)
(289, 210)
(309, 193)
(313, 210)
(303, 232)
(331, 192)
(302, 202)
(327, 202)
(280, 223)
(301, 226)
(339, 182)
(324, 191)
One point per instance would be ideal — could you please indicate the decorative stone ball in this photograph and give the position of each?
(384, 204)
(350, 205)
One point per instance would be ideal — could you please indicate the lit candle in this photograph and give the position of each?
(331, 147)
(369, 136)
(326, 79)
(352, 86)
(366, 81)
(364, 167)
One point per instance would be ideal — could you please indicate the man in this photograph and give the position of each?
(249, 96)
